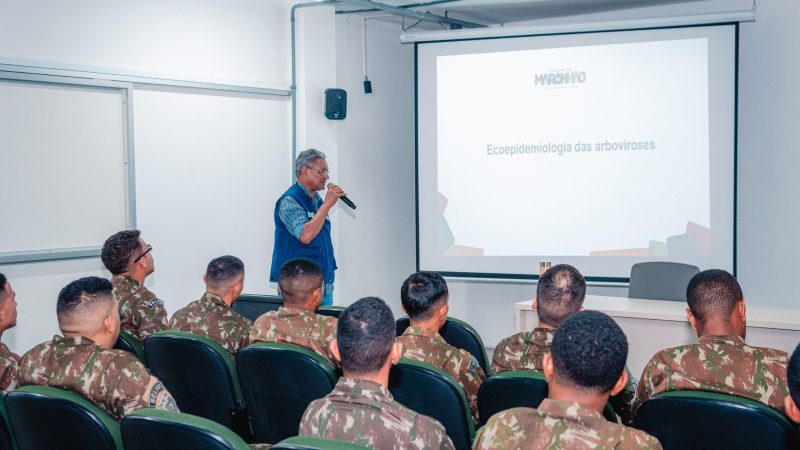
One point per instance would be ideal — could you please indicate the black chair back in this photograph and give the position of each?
(200, 374)
(508, 390)
(148, 429)
(279, 381)
(44, 418)
(459, 334)
(331, 311)
(429, 391)
(252, 306)
(705, 420)
(7, 441)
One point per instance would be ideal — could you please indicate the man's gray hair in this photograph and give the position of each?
(304, 158)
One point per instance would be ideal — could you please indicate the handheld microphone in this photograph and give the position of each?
(346, 200)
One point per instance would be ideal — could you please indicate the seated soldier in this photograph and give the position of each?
(424, 296)
(130, 261)
(559, 293)
(83, 361)
(212, 315)
(360, 408)
(585, 365)
(792, 401)
(721, 361)
(9, 361)
(295, 322)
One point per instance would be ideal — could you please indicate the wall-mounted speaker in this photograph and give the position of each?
(335, 104)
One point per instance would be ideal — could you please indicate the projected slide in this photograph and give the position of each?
(598, 154)
(583, 132)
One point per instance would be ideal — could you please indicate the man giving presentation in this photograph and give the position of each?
(302, 226)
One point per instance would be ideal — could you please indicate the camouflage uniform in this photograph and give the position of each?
(559, 425)
(428, 346)
(9, 369)
(212, 318)
(141, 313)
(297, 326)
(722, 363)
(113, 379)
(365, 413)
(526, 350)
(523, 351)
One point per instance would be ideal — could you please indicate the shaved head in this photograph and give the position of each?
(84, 304)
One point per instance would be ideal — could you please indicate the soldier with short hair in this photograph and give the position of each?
(83, 361)
(424, 296)
(585, 366)
(360, 409)
(721, 361)
(212, 316)
(9, 361)
(130, 260)
(301, 284)
(560, 292)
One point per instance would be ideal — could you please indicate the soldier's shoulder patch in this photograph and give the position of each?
(473, 365)
(154, 303)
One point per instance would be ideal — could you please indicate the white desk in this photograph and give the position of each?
(652, 325)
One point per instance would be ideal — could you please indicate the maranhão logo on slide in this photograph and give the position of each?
(560, 78)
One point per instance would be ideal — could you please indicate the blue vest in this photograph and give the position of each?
(319, 250)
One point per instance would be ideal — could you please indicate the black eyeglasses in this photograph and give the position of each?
(149, 249)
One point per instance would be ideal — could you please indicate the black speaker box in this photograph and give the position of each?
(335, 104)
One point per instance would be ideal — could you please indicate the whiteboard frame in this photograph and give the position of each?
(126, 90)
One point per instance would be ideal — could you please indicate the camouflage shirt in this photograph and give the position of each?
(113, 379)
(212, 318)
(428, 346)
(9, 369)
(297, 326)
(722, 363)
(365, 413)
(559, 425)
(523, 351)
(141, 313)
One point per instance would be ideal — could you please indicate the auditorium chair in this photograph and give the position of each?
(201, 376)
(517, 388)
(690, 420)
(252, 306)
(331, 310)
(428, 390)
(7, 441)
(279, 381)
(148, 429)
(459, 334)
(314, 443)
(46, 418)
(129, 343)
(661, 280)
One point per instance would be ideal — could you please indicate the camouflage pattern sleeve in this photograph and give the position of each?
(131, 387)
(151, 316)
(638, 440)
(502, 431)
(471, 376)
(500, 357)
(9, 369)
(651, 377)
(430, 433)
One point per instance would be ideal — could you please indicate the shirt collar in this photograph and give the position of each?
(732, 339)
(214, 298)
(288, 311)
(75, 340)
(568, 410)
(121, 278)
(424, 332)
(363, 388)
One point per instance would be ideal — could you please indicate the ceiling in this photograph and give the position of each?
(495, 12)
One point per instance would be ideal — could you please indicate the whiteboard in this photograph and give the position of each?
(64, 177)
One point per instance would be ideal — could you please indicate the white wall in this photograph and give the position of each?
(376, 248)
(234, 41)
